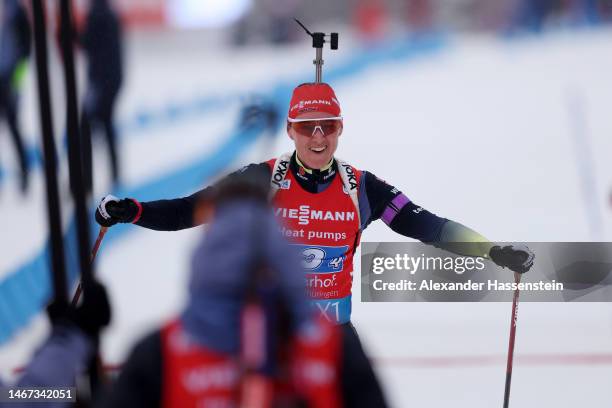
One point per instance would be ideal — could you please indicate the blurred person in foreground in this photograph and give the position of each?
(102, 44)
(15, 48)
(247, 336)
(66, 353)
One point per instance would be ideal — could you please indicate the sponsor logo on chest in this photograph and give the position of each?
(304, 214)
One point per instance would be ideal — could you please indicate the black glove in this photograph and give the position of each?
(93, 314)
(112, 210)
(518, 258)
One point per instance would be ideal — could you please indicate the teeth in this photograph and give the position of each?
(318, 149)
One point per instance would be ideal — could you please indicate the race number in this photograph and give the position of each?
(334, 310)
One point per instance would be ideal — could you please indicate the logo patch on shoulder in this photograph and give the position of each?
(350, 174)
(285, 185)
(279, 175)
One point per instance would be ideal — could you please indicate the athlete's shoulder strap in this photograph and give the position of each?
(279, 172)
(348, 175)
(350, 181)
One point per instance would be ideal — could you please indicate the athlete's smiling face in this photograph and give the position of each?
(315, 148)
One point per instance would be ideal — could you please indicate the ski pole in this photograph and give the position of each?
(94, 252)
(56, 243)
(513, 320)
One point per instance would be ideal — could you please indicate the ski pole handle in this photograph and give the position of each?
(94, 252)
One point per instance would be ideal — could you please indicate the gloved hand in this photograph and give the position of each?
(93, 314)
(518, 258)
(112, 210)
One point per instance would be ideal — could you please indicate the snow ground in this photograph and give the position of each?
(483, 132)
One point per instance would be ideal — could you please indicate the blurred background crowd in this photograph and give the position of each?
(271, 20)
(103, 26)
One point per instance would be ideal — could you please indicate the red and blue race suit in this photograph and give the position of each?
(325, 226)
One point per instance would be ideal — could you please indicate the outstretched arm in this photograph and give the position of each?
(381, 200)
(461, 240)
(162, 215)
(171, 215)
(416, 222)
(406, 218)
